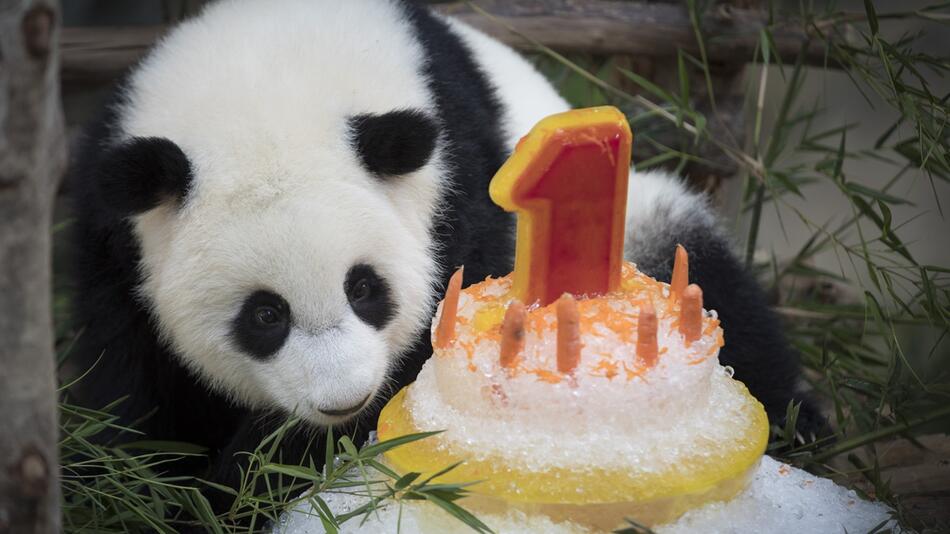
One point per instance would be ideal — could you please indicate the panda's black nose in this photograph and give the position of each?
(340, 412)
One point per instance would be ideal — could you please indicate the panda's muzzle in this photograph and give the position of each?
(342, 412)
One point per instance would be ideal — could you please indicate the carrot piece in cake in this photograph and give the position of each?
(646, 335)
(445, 332)
(691, 313)
(568, 334)
(680, 276)
(512, 334)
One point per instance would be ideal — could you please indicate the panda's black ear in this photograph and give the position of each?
(394, 143)
(142, 172)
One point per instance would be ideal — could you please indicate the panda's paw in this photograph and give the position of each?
(811, 424)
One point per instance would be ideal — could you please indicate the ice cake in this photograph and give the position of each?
(578, 388)
(588, 408)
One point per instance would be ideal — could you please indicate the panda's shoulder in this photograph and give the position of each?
(663, 212)
(525, 95)
(660, 196)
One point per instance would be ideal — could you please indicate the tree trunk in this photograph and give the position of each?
(32, 159)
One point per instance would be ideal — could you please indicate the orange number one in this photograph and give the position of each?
(567, 181)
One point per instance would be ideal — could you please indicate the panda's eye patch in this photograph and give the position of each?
(369, 295)
(263, 324)
(394, 143)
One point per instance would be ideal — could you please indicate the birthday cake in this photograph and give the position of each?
(578, 388)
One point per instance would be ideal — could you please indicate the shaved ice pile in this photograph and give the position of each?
(780, 499)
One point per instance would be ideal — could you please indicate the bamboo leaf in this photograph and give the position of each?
(164, 446)
(329, 450)
(872, 16)
(295, 471)
(405, 480)
(647, 85)
(349, 447)
(383, 446)
(382, 468)
(327, 517)
(874, 194)
(459, 513)
(220, 487)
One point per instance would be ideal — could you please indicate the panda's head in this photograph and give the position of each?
(282, 203)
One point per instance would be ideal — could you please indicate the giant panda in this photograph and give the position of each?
(268, 210)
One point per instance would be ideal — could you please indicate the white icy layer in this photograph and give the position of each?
(417, 518)
(612, 426)
(780, 499)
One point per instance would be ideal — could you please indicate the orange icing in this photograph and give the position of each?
(545, 375)
(606, 368)
(493, 297)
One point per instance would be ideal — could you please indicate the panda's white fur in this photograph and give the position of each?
(526, 95)
(279, 199)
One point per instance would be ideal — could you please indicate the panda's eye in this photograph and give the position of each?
(369, 295)
(360, 291)
(267, 316)
(263, 324)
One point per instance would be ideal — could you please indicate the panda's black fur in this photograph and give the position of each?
(394, 143)
(128, 358)
(117, 344)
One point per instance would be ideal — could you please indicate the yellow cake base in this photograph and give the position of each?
(594, 497)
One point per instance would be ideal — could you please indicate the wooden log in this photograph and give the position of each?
(637, 28)
(918, 471)
(598, 26)
(101, 54)
(32, 159)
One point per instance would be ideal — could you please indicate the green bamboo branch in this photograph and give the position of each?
(877, 435)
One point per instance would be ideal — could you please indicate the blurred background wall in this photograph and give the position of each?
(836, 93)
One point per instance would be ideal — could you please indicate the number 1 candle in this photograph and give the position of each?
(567, 181)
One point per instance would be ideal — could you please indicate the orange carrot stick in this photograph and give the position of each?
(445, 332)
(646, 335)
(691, 313)
(512, 334)
(568, 334)
(680, 273)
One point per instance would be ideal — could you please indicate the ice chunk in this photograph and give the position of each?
(784, 499)
(780, 499)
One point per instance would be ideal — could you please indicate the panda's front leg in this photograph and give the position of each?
(662, 213)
